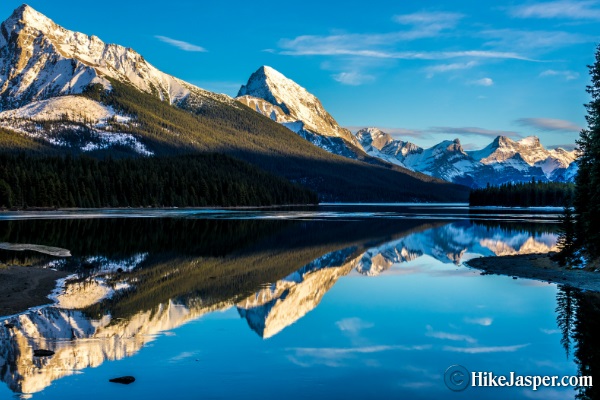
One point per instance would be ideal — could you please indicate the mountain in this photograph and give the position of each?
(272, 94)
(504, 160)
(531, 151)
(67, 92)
(566, 175)
(40, 59)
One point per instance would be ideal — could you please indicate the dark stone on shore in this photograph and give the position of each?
(9, 326)
(125, 380)
(120, 270)
(42, 353)
(514, 277)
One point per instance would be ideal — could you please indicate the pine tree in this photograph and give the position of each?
(567, 237)
(6, 194)
(587, 199)
(565, 316)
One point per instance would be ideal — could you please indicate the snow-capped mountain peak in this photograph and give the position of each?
(40, 59)
(503, 160)
(27, 16)
(530, 150)
(373, 138)
(297, 103)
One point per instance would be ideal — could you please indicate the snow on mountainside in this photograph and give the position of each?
(272, 94)
(40, 59)
(531, 151)
(75, 119)
(73, 108)
(373, 138)
(504, 160)
(43, 66)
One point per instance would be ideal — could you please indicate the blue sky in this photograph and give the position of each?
(423, 70)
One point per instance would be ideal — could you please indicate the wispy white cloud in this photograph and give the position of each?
(472, 131)
(549, 124)
(565, 146)
(185, 46)
(353, 325)
(420, 25)
(442, 68)
(561, 9)
(567, 75)
(337, 351)
(490, 349)
(383, 49)
(432, 21)
(182, 356)
(353, 78)
(398, 132)
(532, 40)
(316, 48)
(426, 134)
(550, 331)
(485, 321)
(334, 357)
(449, 336)
(483, 82)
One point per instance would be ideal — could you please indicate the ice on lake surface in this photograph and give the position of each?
(339, 301)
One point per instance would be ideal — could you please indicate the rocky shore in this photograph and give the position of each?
(539, 267)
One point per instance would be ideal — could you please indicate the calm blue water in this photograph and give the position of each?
(337, 302)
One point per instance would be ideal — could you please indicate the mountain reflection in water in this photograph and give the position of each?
(135, 279)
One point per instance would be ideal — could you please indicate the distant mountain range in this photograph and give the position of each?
(504, 160)
(67, 92)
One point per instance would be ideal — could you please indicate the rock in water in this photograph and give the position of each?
(42, 353)
(125, 380)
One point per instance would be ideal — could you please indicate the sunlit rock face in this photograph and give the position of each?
(530, 246)
(270, 93)
(78, 341)
(379, 259)
(40, 59)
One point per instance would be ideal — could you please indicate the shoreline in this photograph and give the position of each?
(22, 288)
(537, 267)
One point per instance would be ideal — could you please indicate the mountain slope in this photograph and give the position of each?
(163, 115)
(272, 94)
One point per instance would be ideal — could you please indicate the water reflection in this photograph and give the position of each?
(577, 319)
(135, 280)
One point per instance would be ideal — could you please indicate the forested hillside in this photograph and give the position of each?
(173, 181)
(530, 194)
(210, 126)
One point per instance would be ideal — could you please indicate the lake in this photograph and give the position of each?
(333, 302)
